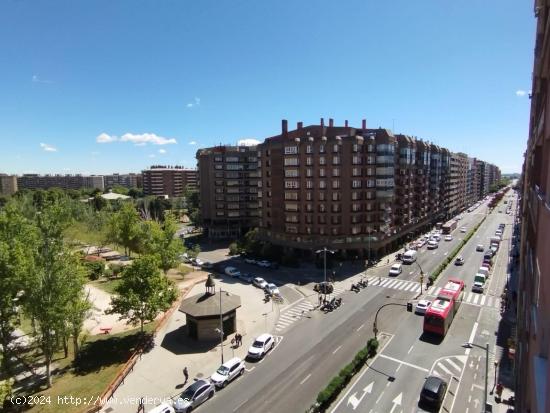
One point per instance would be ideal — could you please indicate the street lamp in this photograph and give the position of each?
(220, 330)
(325, 250)
(421, 276)
(486, 348)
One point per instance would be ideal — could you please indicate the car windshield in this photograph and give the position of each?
(188, 394)
(258, 344)
(223, 370)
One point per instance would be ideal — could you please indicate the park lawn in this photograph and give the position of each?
(179, 273)
(103, 357)
(106, 284)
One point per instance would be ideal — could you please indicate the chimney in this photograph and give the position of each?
(346, 123)
(322, 122)
(284, 126)
(299, 125)
(364, 124)
(331, 122)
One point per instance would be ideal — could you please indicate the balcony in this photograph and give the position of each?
(388, 193)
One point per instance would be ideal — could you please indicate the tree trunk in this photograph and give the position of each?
(141, 325)
(66, 346)
(75, 345)
(48, 372)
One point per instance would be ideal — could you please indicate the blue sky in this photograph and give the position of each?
(160, 79)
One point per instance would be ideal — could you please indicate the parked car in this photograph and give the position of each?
(488, 254)
(198, 262)
(196, 394)
(232, 271)
(272, 289)
(207, 265)
(246, 277)
(227, 372)
(259, 282)
(448, 237)
(396, 269)
(432, 245)
(479, 247)
(422, 306)
(162, 408)
(463, 229)
(433, 392)
(250, 260)
(323, 287)
(459, 260)
(261, 346)
(263, 263)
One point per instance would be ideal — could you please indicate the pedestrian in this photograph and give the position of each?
(141, 406)
(320, 300)
(185, 374)
(239, 339)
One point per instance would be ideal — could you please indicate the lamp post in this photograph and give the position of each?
(421, 276)
(486, 348)
(325, 250)
(220, 330)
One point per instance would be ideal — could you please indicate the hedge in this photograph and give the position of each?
(433, 276)
(337, 384)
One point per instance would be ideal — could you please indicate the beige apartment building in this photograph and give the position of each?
(170, 181)
(8, 184)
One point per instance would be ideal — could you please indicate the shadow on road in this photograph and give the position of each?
(431, 338)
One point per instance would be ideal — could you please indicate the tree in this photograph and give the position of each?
(135, 193)
(17, 239)
(78, 308)
(143, 293)
(124, 228)
(57, 280)
(161, 240)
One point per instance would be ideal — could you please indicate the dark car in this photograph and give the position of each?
(433, 391)
(323, 288)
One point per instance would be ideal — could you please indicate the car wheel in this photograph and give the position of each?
(272, 345)
(223, 386)
(211, 394)
(242, 372)
(189, 409)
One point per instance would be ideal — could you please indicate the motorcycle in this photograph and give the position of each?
(327, 307)
(363, 283)
(355, 288)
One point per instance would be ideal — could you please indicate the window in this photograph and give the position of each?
(335, 148)
(321, 148)
(291, 150)
(292, 229)
(309, 184)
(219, 174)
(369, 171)
(309, 172)
(308, 229)
(321, 230)
(370, 159)
(335, 171)
(356, 160)
(335, 231)
(309, 149)
(309, 207)
(369, 206)
(291, 196)
(336, 196)
(336, 160)
(218, 159)
(322, 172)
(322, 208)
(322, 160)
(356, 229)
(370, 148)
(370, 183)
(322, 220)
(220, 213)
(291, 218)
(291, 184)
(336, 219)
(234, 167)
(355, 195)
(356, 172)
(309, 219)
(291, 207)
(322, 184)
(218, 166)
(370, 195)
(291, 173)
(291, 161)
(356, 207)
(321, 196)
(220, 205)
(231, 159)
(356, 183)
(309, 196)
(309, 161)
(335, 183)
(336, 208)
(355, 147)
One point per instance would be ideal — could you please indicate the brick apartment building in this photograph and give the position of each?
(8, 184)
(126, 180)
(35, 181)
(228, 187)
(533, 307)
(171, 181)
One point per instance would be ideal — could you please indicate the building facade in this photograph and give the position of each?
(169, 181)
(533, 307)
(126, 180)
(228, 188)
(35, 181)
(8, 184)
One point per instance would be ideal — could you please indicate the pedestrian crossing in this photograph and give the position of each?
(472, 298)
(293, 314)
(449, 366)
(394, 283)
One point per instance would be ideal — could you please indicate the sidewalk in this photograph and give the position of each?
(159, 373)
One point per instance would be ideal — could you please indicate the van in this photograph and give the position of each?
(396, 269)
(409, 257)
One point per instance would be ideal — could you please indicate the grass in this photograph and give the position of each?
(106, 284)
(100, 360)
(179, 273)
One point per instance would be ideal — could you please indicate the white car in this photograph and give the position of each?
(261, 346)
(259, 282)
(448, 237)
(272, 289)
(263, 263)
(198, 261)
(432, 245)
(463, 229)
(250, 260)
(396, 269)
(422, 306)
(227, 372)
(232, 271)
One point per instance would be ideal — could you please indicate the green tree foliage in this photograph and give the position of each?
(124, 228)
(161, 241)
(119, 189)
(6, 391)
(143, 293)
(17, 240)
(98, 202)
(135, 193)
(192, 204)
(94, 269)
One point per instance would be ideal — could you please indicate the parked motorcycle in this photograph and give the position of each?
(355, 287)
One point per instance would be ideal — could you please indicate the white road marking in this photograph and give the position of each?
(397, 369)
(337, 348)
(305, 378)
(400, 285)
(379, 397)
(476, 299)
(239, 406)
(410, 349)
(411, 272)
(472, 335)
(414, 366)
(452, 363)
(469, 299)
(249, 370)
(385, 282)
(360, 327)
(483, 297)
(445, 369)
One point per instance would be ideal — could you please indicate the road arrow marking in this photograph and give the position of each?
(471, 364)
(476, 403)
(354, 401)
(396, 402)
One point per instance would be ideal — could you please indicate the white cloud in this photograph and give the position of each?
(105, 138)
(521, 92)
(192, 142)
(48, 148)
(163, 151)
(36, 79)
(248, 142)
(196, 102)
(144, 138)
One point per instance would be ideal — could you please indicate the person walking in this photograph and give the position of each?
(185, 374)
(141, 406)
(239, 340)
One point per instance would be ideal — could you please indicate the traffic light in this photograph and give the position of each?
(409, 307)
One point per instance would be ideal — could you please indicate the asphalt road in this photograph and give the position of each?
(316, 346)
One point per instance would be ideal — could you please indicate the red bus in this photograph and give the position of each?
(440, 314)
(449, 226)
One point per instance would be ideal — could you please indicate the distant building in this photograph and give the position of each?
(126, 180)
(168, 181)
(35, 181)
(228, 187)
(8, 184)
